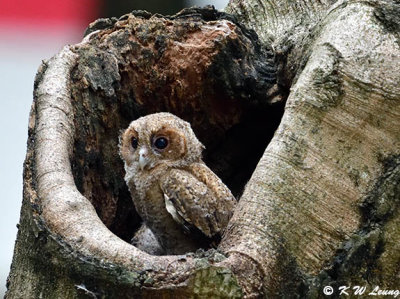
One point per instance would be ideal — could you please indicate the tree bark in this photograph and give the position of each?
(321, 199)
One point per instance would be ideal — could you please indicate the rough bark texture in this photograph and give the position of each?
(320, 181)
(322, 204)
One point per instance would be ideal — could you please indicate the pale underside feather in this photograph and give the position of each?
(171, 209)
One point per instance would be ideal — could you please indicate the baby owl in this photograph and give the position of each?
(178, 197)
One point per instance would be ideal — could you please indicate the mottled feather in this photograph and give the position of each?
(192, 198)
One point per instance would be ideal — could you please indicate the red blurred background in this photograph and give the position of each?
(48, 13)
(44, 19)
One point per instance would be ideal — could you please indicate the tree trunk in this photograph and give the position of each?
(320, 205)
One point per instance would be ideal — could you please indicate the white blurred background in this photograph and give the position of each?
(31, 31)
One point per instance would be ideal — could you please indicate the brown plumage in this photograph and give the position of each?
(179, 198)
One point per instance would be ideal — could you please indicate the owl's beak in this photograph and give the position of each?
(143, 158)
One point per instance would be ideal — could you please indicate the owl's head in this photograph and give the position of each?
(159, 138)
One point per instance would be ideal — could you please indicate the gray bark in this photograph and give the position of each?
(322, 205)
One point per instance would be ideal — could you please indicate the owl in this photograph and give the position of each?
(178, 197)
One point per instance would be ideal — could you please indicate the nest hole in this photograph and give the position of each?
(134, 68)
(98, 170)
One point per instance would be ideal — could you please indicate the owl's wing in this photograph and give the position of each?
(226, 202)
(191, 201)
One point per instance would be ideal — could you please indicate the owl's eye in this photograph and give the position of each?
(134, 142)
(161, 143)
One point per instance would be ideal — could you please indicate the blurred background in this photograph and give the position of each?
(30, 31)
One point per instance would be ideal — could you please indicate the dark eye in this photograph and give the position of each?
(134, 142)
(161, 143)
